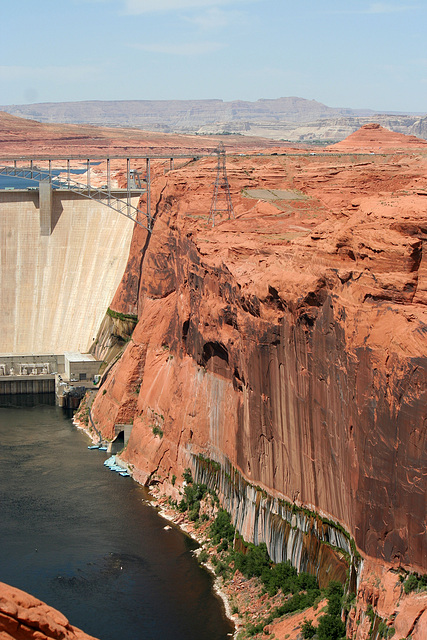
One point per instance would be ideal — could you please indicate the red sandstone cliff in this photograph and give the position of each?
(290, 340)
(23, 617)
(288, 343)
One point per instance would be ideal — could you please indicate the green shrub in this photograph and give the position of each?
(330, 628)
(193, 494)
(221, 569)
(223, 545)
(370, 613)
(253, 561)
(307, 629)
(157, 431)
(173, 480)
(221, 528)
(203, 556)
(334, 594)
(187, 476)
(280, 576)
(412, 583)
(122, 316)
(193, 514)
(385, 631)
(349, 601)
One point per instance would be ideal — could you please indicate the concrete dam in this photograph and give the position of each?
(55, 289)
(57, 276)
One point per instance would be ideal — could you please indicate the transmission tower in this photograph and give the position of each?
(221, 188)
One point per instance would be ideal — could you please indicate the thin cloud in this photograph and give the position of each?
(50, 72)
(215, 18)
(148, 6)
(378, 8)
(185, 49)
(384, 7)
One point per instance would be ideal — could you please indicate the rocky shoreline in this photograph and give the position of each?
(185, 525)
(244, 600)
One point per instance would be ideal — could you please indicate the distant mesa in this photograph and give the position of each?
(290, 119)
(374, 137)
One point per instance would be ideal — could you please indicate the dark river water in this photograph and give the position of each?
(84, 540)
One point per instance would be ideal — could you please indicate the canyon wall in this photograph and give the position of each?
(55, 288)
(286, 345)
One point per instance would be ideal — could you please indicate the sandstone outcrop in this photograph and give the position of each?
(288, 345)
(381, 591)
(373, 137)
(23, 617)
(290, 340)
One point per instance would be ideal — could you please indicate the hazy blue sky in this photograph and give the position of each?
(347, 53)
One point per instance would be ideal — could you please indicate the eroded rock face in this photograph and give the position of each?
(288, 345)
(23, 617)
(381, 591)
(292, 346)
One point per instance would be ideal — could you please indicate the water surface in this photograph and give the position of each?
(84, 540)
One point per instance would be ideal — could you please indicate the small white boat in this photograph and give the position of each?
(94, 446)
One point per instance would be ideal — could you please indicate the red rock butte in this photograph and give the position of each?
(374, 137)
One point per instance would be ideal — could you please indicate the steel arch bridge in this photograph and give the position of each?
(53, 178)
(105, 195)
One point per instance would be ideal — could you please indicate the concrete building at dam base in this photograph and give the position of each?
(68, 376)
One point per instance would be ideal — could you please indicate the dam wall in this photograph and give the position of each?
(56, 286)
